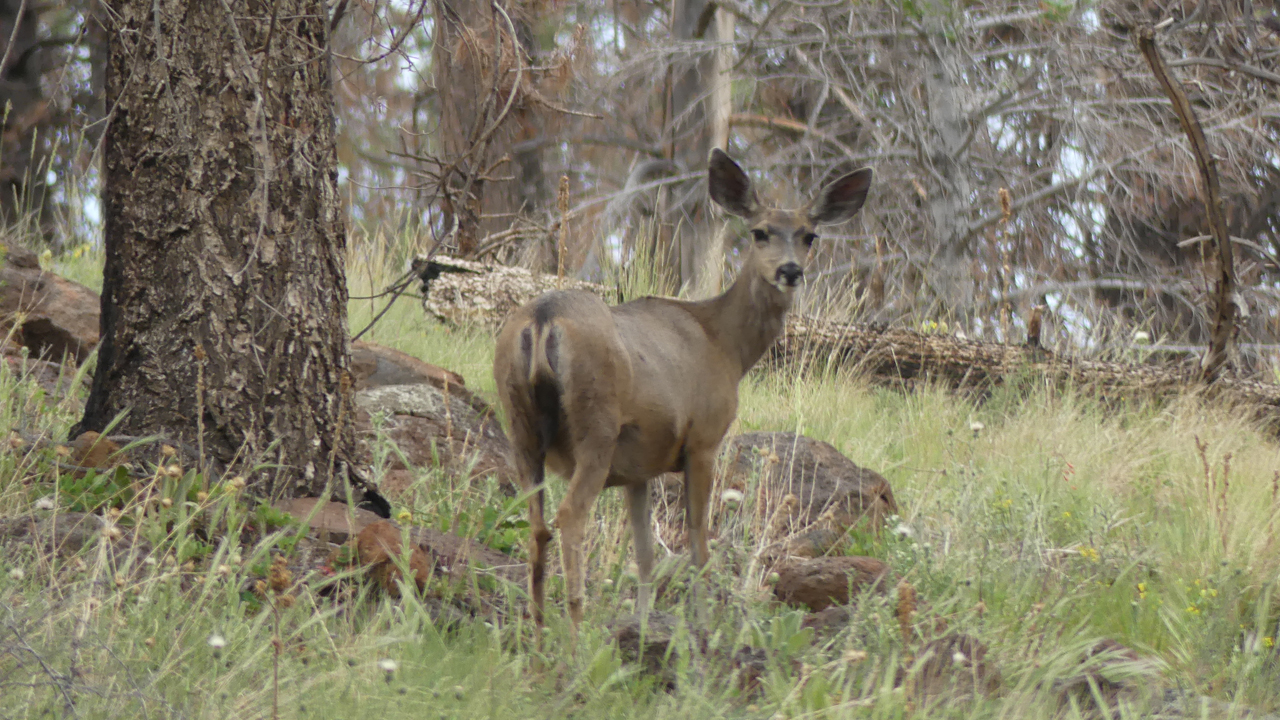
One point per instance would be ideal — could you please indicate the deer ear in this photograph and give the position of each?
(729, 186)
(842, 199)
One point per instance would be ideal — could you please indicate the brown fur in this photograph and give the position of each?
(611, 397)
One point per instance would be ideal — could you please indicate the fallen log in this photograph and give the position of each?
(898, 356)
(464, 293)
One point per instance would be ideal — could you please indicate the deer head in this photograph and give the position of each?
(782, 239)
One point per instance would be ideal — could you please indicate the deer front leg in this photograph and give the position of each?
(698, 475)
(638, 502)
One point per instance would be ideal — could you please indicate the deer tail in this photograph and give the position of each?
(542, 354)
(543, 348)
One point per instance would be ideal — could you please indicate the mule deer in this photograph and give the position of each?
(614, 396)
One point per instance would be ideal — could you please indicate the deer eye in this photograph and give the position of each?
(808, 239)
(760, 236)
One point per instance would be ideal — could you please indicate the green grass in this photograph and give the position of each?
(1040, 520)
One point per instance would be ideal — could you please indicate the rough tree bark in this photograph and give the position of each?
(224, 300)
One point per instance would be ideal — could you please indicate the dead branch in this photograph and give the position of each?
(902, 358)
(1224, 317)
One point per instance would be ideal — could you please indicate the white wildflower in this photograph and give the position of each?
(387, 665)
(217, 642)
(731, 497)
(958, 658)
(46, 503)
(16, 574)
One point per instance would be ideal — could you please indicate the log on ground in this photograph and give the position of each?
(465, 293)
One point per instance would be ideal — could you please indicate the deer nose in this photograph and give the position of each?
(790, 273)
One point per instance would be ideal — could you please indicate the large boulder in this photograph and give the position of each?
(456, 556)
(818, 583)
(810, 476)
(441, 555)
(51, 316)
(330, 521)
(375, 365)
(446, 425)
(465, 293)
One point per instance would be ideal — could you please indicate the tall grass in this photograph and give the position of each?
(1038, 520)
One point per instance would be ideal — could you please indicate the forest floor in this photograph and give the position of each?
(1039, 522)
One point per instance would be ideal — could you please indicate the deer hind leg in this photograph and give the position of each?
(592, 455)
(539, 537)
(698, 476)
(638, 502)
(530, 460)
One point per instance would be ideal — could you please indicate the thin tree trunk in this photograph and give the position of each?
(24, 117)
(710, 271)
(947, 272)
(224, 286)
(690, 136)
(484, 118)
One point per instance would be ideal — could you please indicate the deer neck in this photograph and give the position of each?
(747, 319)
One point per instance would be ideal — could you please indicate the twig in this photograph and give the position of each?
(1224, 319)
(201, 357)
(60, 681)
(13, 35)
(562, 204)
(395, 290)
(396, 42)
(1224, 65)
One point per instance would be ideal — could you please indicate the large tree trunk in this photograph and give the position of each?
(224, 287)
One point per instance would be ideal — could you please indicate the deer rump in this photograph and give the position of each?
(596, 379)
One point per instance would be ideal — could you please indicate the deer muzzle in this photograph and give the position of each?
(789, 274)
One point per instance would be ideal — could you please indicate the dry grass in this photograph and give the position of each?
(1035, 520)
